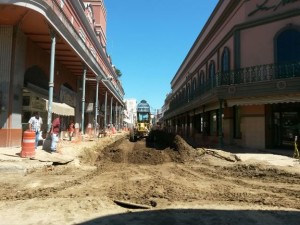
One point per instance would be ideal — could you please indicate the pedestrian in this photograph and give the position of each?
(35, 123)
(71, 129)
(55, 130)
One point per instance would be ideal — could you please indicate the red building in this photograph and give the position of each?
(53, 59)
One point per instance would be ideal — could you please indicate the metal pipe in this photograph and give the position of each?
(90, 79)
(83, 100)
(120, 117)
(51, 80)
(105, 113)
(96, 106)
(220, 124)
(116, 113)
(110, 116)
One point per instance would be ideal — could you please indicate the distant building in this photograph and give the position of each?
(131, 105)
(240, 82)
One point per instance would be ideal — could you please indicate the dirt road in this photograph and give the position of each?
(179, 184)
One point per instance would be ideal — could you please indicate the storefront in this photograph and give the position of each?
(285, 124)
(37, 102)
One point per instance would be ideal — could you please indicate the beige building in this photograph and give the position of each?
(240, 82)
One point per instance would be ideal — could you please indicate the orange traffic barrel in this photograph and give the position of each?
(28, 144)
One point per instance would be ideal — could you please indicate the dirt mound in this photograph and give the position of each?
(186, 151)
(160, 147)
(148, 156)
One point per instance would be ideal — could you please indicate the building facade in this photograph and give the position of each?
(131, 107)
(240, 82)
(53, 60)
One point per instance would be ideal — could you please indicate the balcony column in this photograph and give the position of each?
(203, 120)
(83, 100)
(204, 124)
(220, 124)
(120, 117)
(111, 111)
(193, 130)
(51, 80)
(105, 110)
(116, 113)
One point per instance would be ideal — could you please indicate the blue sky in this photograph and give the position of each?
(149, 39)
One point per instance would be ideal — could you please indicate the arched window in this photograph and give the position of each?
(188, 92)
(36, 76)
(202, 77)
(201, 81)
(288, 46)
(206, 77)
(194, 84)
(68, 86)
(225, 67)
(212, 74)
(288, 52)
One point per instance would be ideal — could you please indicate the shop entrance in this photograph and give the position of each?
(286, 124)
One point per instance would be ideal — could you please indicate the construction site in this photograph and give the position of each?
(155, 180)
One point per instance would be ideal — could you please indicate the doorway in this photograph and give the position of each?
(286, 124)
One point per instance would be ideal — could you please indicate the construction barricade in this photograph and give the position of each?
(28, 144)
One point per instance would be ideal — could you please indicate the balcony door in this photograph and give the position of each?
(288, 53)
(288, 46)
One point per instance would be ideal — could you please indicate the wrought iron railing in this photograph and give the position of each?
(245, 75)
(259, 73)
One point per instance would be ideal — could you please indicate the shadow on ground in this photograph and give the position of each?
(197, 217)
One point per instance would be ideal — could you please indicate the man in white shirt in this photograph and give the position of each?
(35, 124)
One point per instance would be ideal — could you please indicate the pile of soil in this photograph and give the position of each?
(160, 147)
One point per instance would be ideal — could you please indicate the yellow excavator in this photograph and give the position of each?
(142, 126)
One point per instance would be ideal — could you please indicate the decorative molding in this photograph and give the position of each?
(281, 84)
(266, 5)
(231, 89)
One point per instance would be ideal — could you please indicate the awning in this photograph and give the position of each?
(264, 100)
(61, 108)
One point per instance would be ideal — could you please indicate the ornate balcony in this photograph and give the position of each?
(258, 80)
(259, 73)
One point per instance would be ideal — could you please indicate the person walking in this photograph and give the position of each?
(35, 123)
(55, 129)
(71, 130)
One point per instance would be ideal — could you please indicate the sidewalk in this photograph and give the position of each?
(11, 162)
(275, 157)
